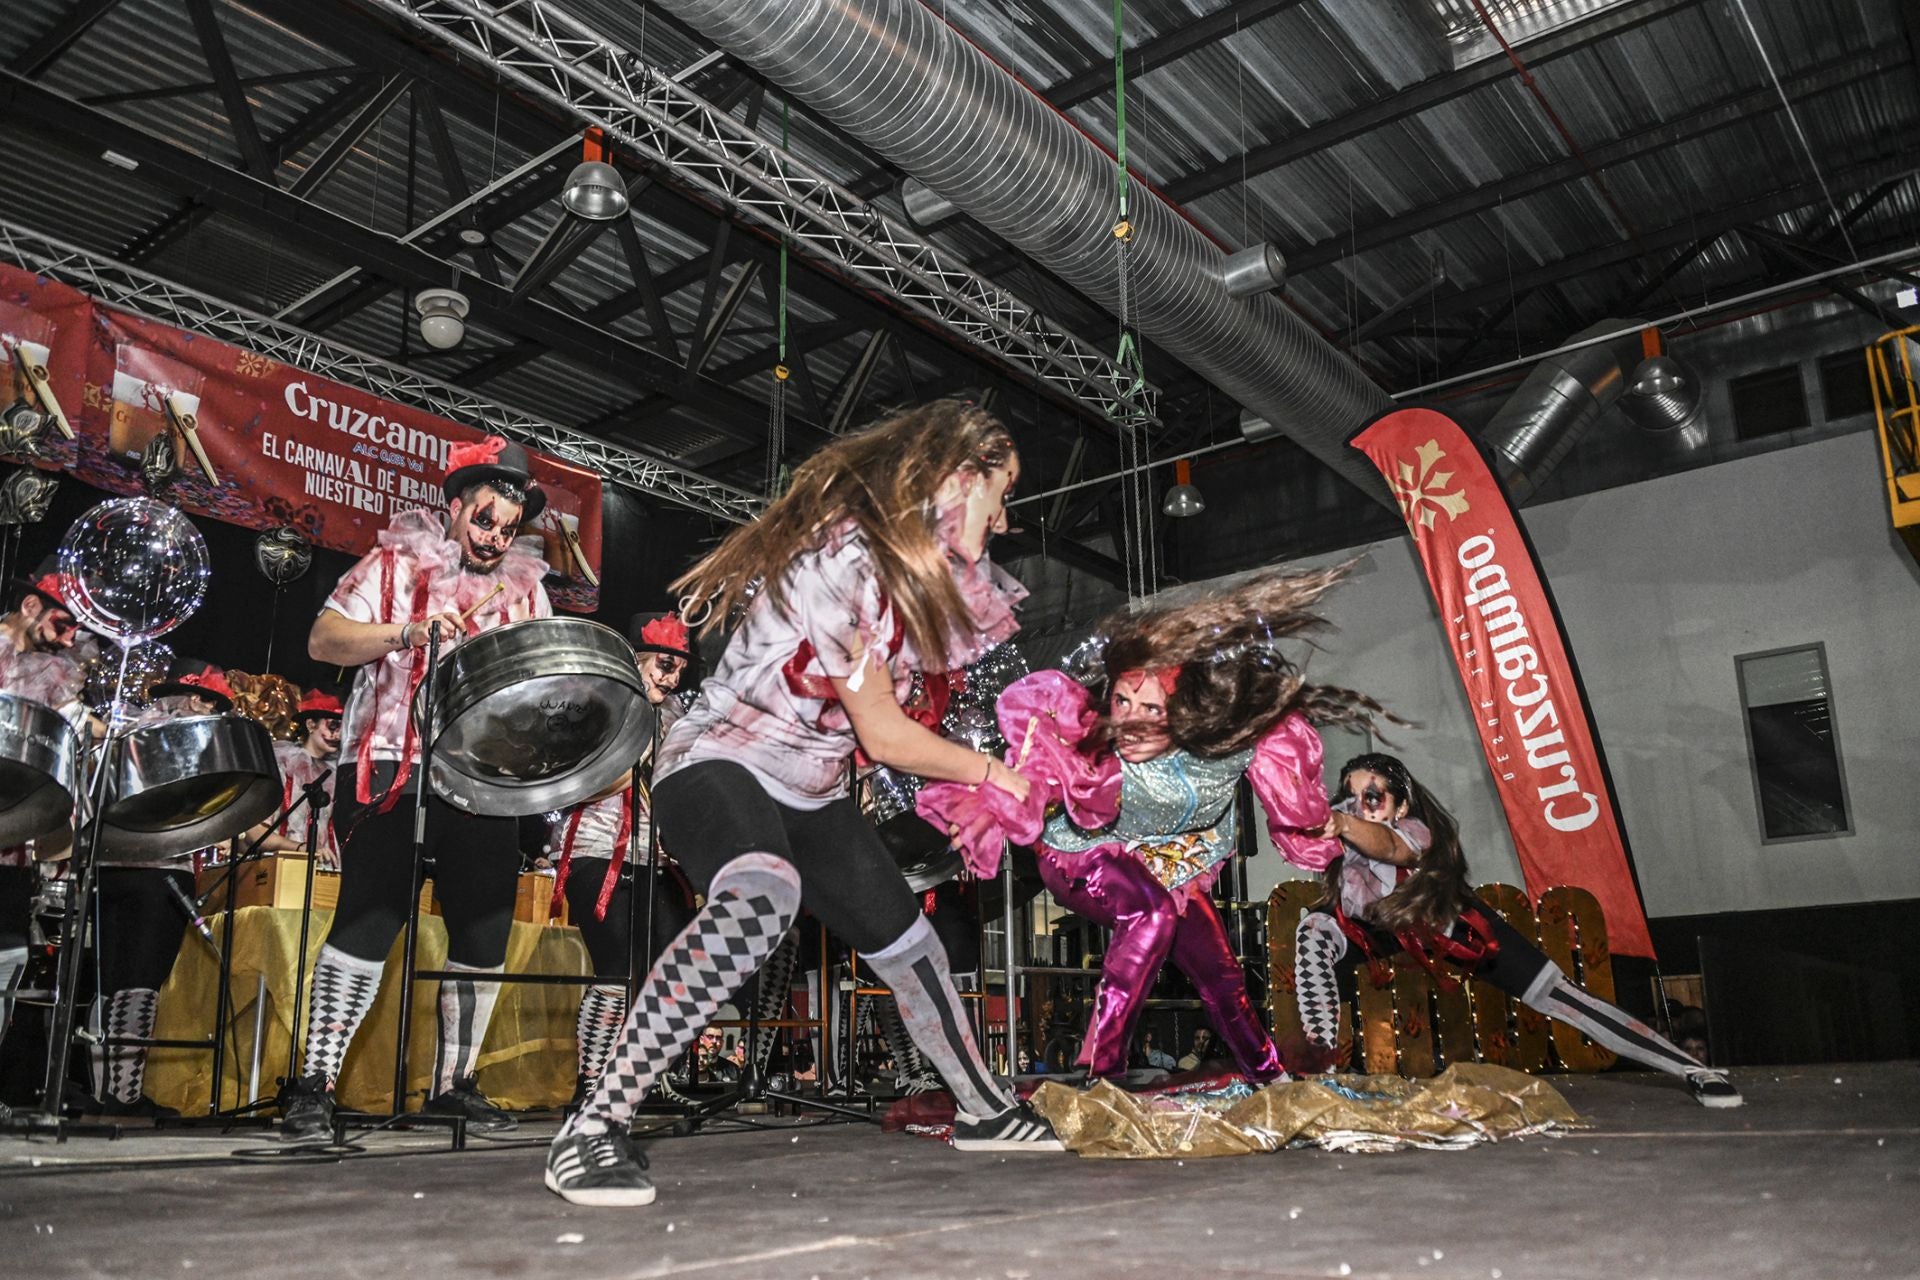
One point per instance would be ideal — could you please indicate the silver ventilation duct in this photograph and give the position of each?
(1566, 394)
(893, 75)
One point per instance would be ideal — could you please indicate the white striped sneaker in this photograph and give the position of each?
(602, 1170)
(1713, 1089)
(1017, 1128)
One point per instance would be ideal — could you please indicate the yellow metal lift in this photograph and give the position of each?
(1896, 405)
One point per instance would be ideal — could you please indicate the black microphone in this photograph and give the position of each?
(194, 917)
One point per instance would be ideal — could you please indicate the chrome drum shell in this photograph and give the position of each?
(534, 716)
(40, 771)
(183, 784)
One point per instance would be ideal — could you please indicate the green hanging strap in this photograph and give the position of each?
(1128, 357)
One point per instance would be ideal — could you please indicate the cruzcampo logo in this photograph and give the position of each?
(1421, 491)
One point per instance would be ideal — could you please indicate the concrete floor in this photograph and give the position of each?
(1818, 1176)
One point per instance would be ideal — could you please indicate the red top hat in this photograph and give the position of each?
(314, 703)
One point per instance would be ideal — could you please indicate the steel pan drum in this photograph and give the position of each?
(39, 770)
(919, 849)
(534, 716)
(183, 784)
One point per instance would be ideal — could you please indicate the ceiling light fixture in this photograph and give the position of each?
(1183, 499)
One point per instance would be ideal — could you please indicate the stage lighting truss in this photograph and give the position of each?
(130, 289)
(553, 55)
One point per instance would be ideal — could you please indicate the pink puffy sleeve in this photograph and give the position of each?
(1286, 778)
(1044, 717)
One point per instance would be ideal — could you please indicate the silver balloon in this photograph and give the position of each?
(283, 554)
(26, 494)
(134, 569)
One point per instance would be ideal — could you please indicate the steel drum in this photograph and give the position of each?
(919, 849)
(534, 716)
(39, 771)
(183, 784)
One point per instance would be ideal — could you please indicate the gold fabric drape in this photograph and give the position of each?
(1470, 1102)
(528, 1058)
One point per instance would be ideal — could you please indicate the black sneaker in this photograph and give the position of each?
(306, 1109)
(141, 1107)
(600, 1170)
(1018, 1128)
(465, 1099)
(907, 1084)
(1713, 1089)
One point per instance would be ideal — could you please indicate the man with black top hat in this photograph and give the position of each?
(302, 764)
(594, 843)
(144, 911)
(37, 638)
(449, 578)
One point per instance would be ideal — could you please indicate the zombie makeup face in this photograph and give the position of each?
(660, 674)
(485, 527)
(323, 737)
(971, 506)
(50, 628)
(1138, 710)
(1373, 796)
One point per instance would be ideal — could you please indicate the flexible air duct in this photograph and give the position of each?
(892, 74)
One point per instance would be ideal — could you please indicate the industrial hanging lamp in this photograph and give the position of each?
(1183, 499)
(594, 190)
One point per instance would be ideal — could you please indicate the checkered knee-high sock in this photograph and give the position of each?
(343, 991)
(602, 1010)
(915, 968)
(1553, 994)
(466, 1009)
(750, 906)
(13, 963)
(124, 1067)
(1318, 947)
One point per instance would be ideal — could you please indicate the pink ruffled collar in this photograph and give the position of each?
(419, 534)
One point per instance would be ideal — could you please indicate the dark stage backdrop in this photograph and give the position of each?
(645, 546)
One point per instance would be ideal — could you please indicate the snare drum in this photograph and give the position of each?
(39, 772)
(534, 716)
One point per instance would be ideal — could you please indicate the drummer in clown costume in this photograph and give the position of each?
(452, 576)
(314, 758)
(594, 843)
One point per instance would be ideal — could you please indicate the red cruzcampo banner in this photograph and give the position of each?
(260, 443)
(1514, 661)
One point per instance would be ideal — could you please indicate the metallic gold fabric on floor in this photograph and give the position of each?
(1469, 1103)
(527, 1061)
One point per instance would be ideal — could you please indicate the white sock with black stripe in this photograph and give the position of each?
(1554, 994)
(914, 966)
(466, 1008)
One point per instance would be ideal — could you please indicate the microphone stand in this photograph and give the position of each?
(423, 784)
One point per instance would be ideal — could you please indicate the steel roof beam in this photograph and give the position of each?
(246, 131)
(1417, 98)
(46, 51)
(1167, 47)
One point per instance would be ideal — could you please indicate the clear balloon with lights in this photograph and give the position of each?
(134, 569)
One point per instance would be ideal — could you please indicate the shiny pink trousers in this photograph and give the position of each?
(1111, 887)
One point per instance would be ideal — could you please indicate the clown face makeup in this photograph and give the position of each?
(323, 737)
(660, 673)
(1138, 710)
(485, 528)
(50, 628)
(971, 507)
(1373, 797)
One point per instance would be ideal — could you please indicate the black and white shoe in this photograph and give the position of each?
(465, 1099)
(1713, 1089)
(907, 1084)
(599, 1170)
(1018, 1128)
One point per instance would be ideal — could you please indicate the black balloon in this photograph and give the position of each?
(283, 554)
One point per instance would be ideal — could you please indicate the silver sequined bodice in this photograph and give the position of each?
(1169, 795)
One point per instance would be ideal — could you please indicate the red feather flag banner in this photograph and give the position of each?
(1512, 653)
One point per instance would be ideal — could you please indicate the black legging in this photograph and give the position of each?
(476, 873)
(16, 906)
(140, 926)
(1513, 970)
(713, 811)
(607, 939)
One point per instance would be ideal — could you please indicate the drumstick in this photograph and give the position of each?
(474, 608)
(189, 428)
(43, 388)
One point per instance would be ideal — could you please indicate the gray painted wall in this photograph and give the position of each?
(1661, 584)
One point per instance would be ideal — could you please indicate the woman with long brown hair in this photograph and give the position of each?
(1196, 698)
(870, 568)
(1400, 886)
